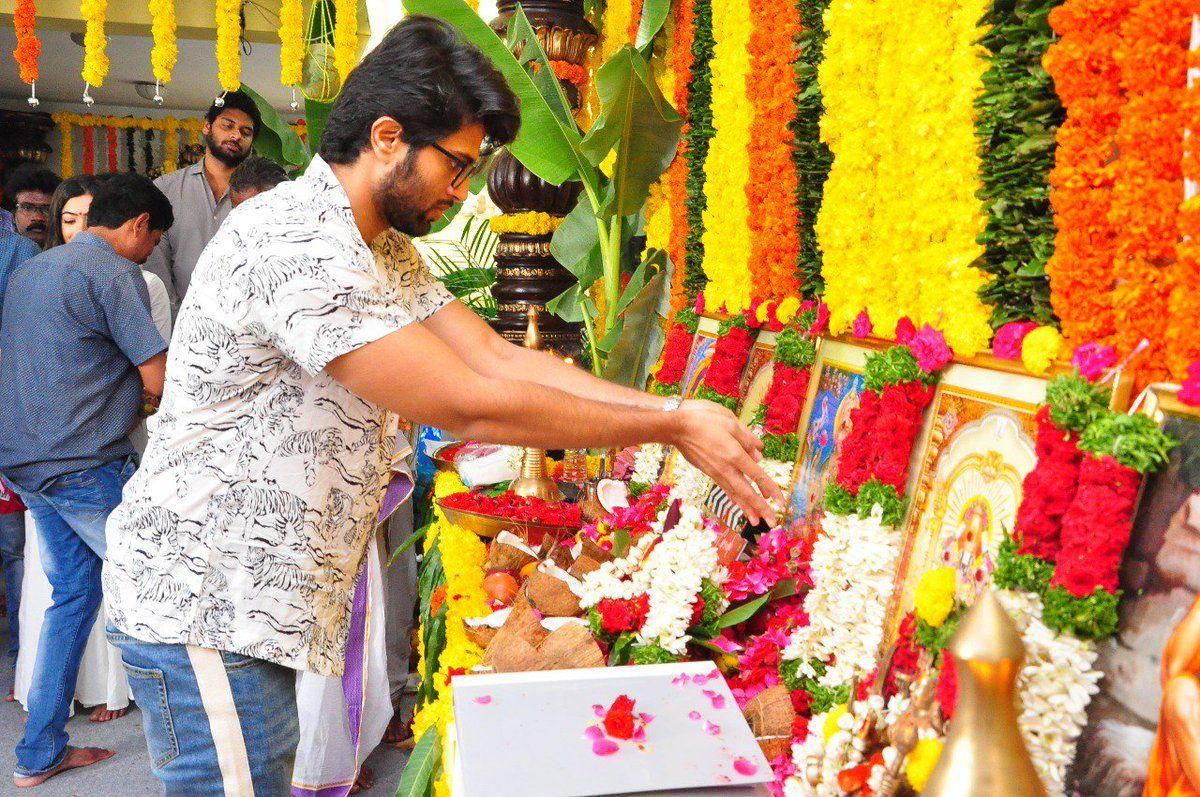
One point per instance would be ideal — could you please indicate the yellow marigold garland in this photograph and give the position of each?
(229, 53)
(900, 217)
(95, 59)
(727, 168)
(165, 51)
(170, 127)
(66, 146)
(291, 42)
(529, 223)
(345, 36)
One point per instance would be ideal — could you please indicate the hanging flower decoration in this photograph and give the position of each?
(673, 362)
(229, 53)
(291, 42)
(723, 380)
(165, 51)
(95, 60)
(811, 156)
(698, 140)
(28, 46)
(345, 36)
(680, 56)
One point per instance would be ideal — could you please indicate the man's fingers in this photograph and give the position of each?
(753, 505)
(766, 485)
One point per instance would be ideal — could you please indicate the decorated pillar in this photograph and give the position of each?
(526, 273)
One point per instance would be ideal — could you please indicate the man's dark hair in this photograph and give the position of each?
(240, 101)
(29, 177)
(431, 81)
(126, 196)
(256, 173)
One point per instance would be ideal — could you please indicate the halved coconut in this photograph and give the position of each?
(553, 591)
(590, 549)
(571, 647)
(582, 566)
(770, 712)
(510, 553)
(552, 624)
(775, 746)
(525, 621)
(481, 630)
(612, 494)
(509, 652)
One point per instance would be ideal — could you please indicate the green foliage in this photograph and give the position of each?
(1017, 115)
(688, 317)
(760, 415)
(699, 135)
(708, 394)
(1133, 440)
(1022, 572)
(794, 349)
(936, 639)
(811, 156)
(637, 490)
(781, 448)
(1075, 402)
(434, 633)
(659, 389)
(823, 697)
(1092, 617)
(422, 766)
(875, 493)
(276, 140)
(839, 500)
(596, 623)
(465, 266)
(652, 654)
(893, 366)
(713, 597)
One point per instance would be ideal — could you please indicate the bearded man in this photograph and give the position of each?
(199, 193)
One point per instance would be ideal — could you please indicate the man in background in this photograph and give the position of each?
(29, 188)
(81, 358)
(252, 177)
(199, 194)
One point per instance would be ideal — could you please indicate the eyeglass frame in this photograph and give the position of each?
(467, 169)
(30, 207)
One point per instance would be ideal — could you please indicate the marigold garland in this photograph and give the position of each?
(771, 89)
(169, 126)
(95, 59)
(345, 36)
(811, 156)
(727, 165)
(528, 223)
(28, 45)
(677, 174)
(698, 138)
(1182, 336)
(900, 218)
(165, 51)
(229, 52)
(111, 141)
(66, 146)
(291, 42)
(89, 151)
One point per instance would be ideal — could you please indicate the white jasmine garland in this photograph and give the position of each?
(648, 462)
(780, 472)
(844, 749)
(691, 484)
(853, 564)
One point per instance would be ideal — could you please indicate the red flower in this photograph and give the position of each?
(1048, 490)
(516, 507)
(785, 399)
(947, 685)
(729, 360)
(905, 331)
(618, 615)
(697, 611)
(802, 702)
(618, 720)
(675, 355)
(1096, 526)
(906, 658)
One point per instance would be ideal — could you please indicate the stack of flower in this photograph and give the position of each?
(1071, 404)
(628, 524)
(1120, 450)
(666, 379)
(723, 380)
(795, 353)
(649, 604)
(937, 609)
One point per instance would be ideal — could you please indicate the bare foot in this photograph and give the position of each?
(365, 780)
(104, 714)
(397, 730)
(76, 757)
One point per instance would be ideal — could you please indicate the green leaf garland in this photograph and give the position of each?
(699, 134)
(811, 157)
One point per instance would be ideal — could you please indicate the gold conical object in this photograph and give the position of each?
(533, 334)
(985, 755)
(534, 481)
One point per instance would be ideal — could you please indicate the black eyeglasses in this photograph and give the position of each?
(467, 170)
(30, 207)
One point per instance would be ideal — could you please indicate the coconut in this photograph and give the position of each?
(775, 746)
(571, 647)
(770, 712)
(509, 652)
(510, 553)
(525, 621)
(553, 591)
(582, 566)
(481, 630)
(612, 494)
(590, 549)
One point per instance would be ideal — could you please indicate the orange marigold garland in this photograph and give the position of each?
(771, 89)
(681, 62)
(1182, 338)
(1087, 80)
(28, 46)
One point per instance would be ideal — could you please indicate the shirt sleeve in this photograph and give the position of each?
(126, 309)
(420, 290)
(160, 304)
(160, 264)
(319, 300)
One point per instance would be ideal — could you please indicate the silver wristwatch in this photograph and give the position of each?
(672, 404)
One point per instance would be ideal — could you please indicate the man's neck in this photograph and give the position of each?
(357, 185)
(217, 173)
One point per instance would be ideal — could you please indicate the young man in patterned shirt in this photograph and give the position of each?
(310, 324)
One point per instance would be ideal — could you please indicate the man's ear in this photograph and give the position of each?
(141, 224)
(387, 137)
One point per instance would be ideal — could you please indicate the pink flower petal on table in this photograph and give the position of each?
(693, 715)
(483, 700)
(680, 680)
(712, 729)
(745, 767)
(594, 732)
(639, 733)
(710, 694)
(700, 679)
(647, 718)
(598, 710)
(605, 747)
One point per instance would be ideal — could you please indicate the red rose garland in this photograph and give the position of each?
(676, 350)
(516, 507)
(794, 355)
(1048, 489)
(722, 381)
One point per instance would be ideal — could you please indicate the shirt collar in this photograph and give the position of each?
(87, 238)
(327, 189)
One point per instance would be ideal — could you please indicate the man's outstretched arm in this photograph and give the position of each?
(413, 373)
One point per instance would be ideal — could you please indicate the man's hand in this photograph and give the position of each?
(715, 441)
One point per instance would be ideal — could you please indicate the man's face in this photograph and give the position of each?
(418, 187)
(32, 215)
(229, 136)
(134, 240)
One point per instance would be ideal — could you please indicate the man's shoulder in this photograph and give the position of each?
(171, 183)
(18, 247)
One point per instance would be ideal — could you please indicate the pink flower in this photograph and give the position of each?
(863, 325)
(1007, 343)
(905, 331)
(930, 349)
(700, 302)
(821, 325)
(1092, 360)
(1189, 393)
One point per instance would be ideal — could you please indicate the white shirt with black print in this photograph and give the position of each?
(244, 528)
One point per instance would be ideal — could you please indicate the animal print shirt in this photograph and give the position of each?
(244, 528)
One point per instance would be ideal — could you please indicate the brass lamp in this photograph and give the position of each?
(534, 481)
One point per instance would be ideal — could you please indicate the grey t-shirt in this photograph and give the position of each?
(198, 214)
(75, 325)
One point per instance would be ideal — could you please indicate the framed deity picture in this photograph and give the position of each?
(757, 378)
(1142, 726)
(703, 346)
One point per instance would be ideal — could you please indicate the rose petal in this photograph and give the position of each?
(693, 715)
(745, 767)
(639, 733)
(718, 702)
(483, 700)
(700, 679)
(605, 747)
(680, 680)
(712, 729)
(594, 732)
(598, 710)
(647, 718)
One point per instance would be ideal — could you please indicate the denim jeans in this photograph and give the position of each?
(70, 514)
(12, 560)
(215, 723)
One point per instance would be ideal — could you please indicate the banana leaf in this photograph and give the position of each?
(276, 139)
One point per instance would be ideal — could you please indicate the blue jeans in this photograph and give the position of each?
(70, 514)
(215, 723)
(12, 559)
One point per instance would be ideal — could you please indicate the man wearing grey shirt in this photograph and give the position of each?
(199, 193)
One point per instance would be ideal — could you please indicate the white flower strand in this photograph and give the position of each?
(780, 472)
(691, 483)
(648, 462)
(844, 749)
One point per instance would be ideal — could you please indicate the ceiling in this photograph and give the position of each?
(192, 88)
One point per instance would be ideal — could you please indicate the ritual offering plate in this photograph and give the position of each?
(530, 518)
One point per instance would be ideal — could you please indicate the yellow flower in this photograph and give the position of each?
(1040, 349)
(165, 51)
(95, 60)
(229, 52)
(934, 598)
(787, 309)
(831, 721)
(529, 223)
(921, 762)
(762, 312)
(291, 42)
(345, 36)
